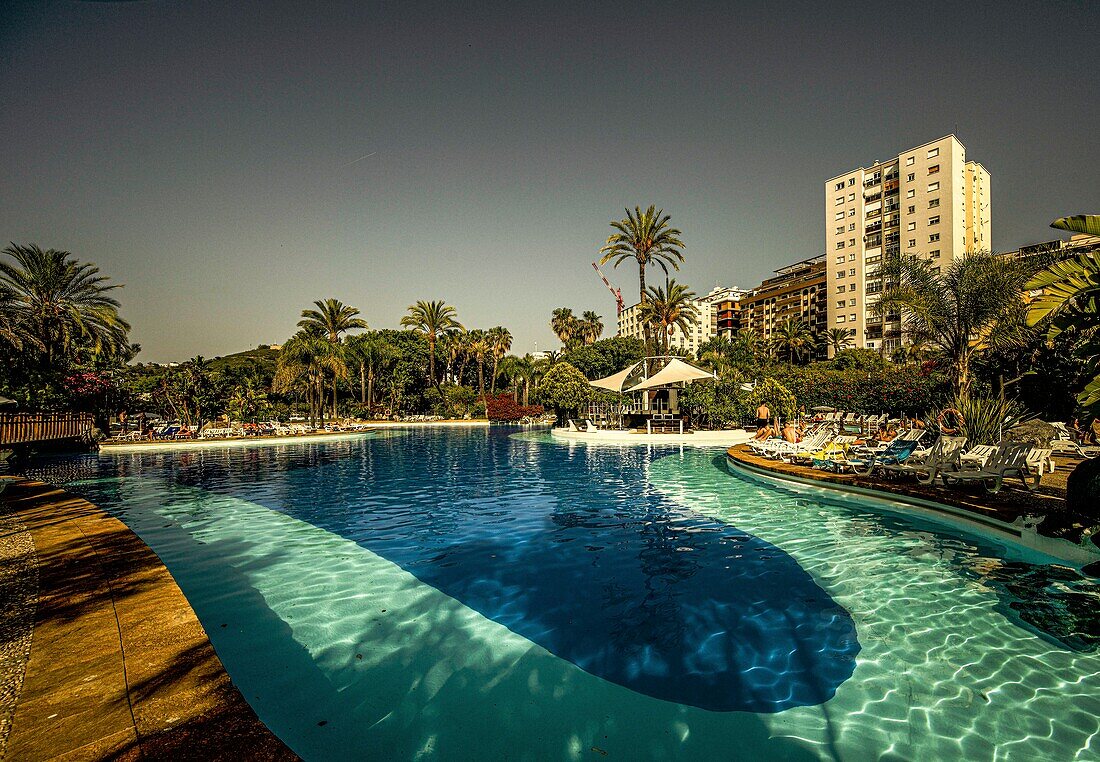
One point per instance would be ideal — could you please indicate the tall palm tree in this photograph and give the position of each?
(372, 354)
(839, 339)
(591, 326)
(332, 319)
(525, 370)
(60, 306)
(973, 305)
(793, 337)
(9, 324)
(564, 324)
(500, 341)
(432, 320)
(646, 238)
(669, 308)
(479, 347)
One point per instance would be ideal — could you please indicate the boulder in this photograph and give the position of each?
(1036, 432)
(1083, 492)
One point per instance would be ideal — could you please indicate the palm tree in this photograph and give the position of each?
(9, 325)
(332, 319)
(372, 354)
(793, 337)
(565, 325)
(669, 308)
(59, 306)
(432, 320)
(1070, 299)
(646, 238)
(591, 327)
(839, 339)
(303, 364)
(973, 305)
(479, 347)
(524, 369)
(500, 341)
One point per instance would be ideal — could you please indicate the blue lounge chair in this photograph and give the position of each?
(895, 453)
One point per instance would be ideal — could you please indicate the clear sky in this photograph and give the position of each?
(231, 162)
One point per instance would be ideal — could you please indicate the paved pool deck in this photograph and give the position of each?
(109, 660)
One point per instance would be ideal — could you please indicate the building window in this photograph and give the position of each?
(909, 161)
(840, 259)
(910, 177)
(852, 318)
(934, 169)
(839, 186)
(839, 215)
(840, 244)
(839, 200)
(852, 274)
(839, 275)
(912, 242)
(851, 226)
(933, 153)
(934, 220)
(840, 304)
(840, 289)
(935, 253)
(933, 238)
(851, 242)
(910, 193)
(851, 181)
(933, 203)
(932, 187)
(840, 230)
(851, 212)
(910, 209)
(851, 197)
(911, 226)
(840, 318)
(852, 257)
(851, 302)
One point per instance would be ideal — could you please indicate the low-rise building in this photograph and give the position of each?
(704, 327)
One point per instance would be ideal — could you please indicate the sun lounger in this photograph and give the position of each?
(942, 457)
(895, 452)
(589, 426)
(1011, 459)
(976, 457)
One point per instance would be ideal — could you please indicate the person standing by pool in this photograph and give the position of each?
(763, 414)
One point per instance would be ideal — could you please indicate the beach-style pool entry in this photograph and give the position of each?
(485, 593)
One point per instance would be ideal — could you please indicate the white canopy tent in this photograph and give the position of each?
(676, 371)
(615, 381)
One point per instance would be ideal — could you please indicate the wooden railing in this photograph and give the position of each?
(29, 428)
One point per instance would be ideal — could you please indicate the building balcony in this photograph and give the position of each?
(891, 185)
(872, 241)
(872, 197)
(875, 180)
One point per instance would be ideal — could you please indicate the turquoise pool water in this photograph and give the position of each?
(472, 594)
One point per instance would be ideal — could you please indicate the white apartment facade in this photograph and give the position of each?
(702, 328)
(928, 201)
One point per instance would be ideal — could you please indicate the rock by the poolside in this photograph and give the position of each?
(1036, 432)
(1083, 491)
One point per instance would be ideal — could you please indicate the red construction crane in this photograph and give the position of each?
(614, 291)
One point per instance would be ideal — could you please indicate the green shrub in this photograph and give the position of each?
(564, 389)
(775, 395)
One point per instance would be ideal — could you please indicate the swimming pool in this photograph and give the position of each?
(467, 594)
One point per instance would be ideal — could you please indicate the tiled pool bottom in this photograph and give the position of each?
(344, 653)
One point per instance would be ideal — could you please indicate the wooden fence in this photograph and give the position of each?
(29, 428)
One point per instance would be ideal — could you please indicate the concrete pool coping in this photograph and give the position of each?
(982, 516)
(721, 438)
(119, 665)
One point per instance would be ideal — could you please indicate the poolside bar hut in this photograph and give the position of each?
(655, 398)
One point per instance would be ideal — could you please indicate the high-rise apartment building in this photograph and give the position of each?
(928, 201)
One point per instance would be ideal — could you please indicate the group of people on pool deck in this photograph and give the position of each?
(791, 431)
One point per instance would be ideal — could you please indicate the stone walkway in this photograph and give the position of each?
(118, 665)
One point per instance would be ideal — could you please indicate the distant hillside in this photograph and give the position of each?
(239, 361)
